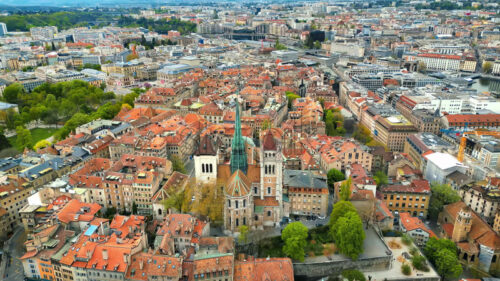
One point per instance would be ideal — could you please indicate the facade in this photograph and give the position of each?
(415, 228)
(482, 199)
(477, 243)
(440, 165)
(413, 198)
(307, 193)
(393, 131)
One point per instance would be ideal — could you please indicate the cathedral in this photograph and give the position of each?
(252, 179)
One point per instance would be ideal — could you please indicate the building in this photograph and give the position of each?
(14, 193)
(410, 198)
(417, 145)
(307, 193)
(415, 228)
(393, 131)
(43, 33)
(342, 153)
(3, 29)
(471, 121)
(440, 165)
(482, 198)
(256, 269)
(477, 243)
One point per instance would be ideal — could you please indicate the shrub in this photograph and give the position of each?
(406, 239)
(419, 263)
(353, 274)
(406, 269)
(414, 251)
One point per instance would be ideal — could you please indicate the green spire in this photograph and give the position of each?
(238, 154)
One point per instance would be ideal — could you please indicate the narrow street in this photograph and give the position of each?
(14, 249)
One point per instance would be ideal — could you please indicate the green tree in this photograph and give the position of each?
(447, 264)
(23, 138)
(175, 200)
(294, 235)
(177, 164)
(434, 245)
(279, 46)
(487, 67)
(334, 176)
(4, 142)
(345, 190)
(317, 45)
(12, 92)
(349, 235)
(442, 194)
(353, 275)
(362, 134)
(419, 263)
(41, 144)
(291, 97)
(243, 237)
(406, 239)
(380, 178)
(339, 210)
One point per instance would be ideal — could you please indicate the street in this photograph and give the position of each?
(14, 249)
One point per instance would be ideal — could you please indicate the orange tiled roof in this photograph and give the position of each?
(276, 269)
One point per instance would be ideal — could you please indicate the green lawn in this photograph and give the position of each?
(37, 134)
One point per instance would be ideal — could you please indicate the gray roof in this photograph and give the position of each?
(298, 178)
(9, 163)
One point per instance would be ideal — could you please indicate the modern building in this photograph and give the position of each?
(3, 29)
(440, 165)
(393, 131)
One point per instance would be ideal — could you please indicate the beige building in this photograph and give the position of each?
(482, 199)
(393, 131)
(14, 195)
(307, 192)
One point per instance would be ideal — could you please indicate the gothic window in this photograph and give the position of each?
(203, 168)
(268, 190)
(244, 221)
(255, 190)
(265, 169)
(256, 218)
(211, 168)
(244, 203)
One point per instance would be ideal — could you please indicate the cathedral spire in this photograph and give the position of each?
(238, 154)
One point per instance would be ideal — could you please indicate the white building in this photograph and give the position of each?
(3, 29)
(415, 228)
(205, 161)
(440, 165)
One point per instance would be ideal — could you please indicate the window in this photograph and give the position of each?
(255, 190)
(237, 222)
(236, 204)
(229, 203)
(268, 213)
(269, 190)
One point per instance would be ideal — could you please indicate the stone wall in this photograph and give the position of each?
(315, 271)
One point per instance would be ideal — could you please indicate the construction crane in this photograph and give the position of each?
(463, 141)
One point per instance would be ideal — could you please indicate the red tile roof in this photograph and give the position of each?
(78, 211)
(275, 269)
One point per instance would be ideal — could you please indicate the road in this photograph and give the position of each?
(14, 248)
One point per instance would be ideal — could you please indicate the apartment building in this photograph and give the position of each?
(308, 193)
(14, 193)
(393, 131)
(415, 228)
(412, 198)
(342, 153)
(482, 198)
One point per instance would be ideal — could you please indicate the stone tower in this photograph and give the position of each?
(238, 159)
(205, 161)
(271, 177)
(238, 206)
(463, 224)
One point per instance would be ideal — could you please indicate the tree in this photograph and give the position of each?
(134, 208)
(349, 235)
(447, 264)
(422, 67)
(362, 134)
(23, 139)
(175, 201)
(266, 124)
(442, 194)
(12, 92)
(243, 238)
(345, 190)
(294, 235)
(339, 210)
(132, 57)
(177, 164)
(279, 46)
(353, 275)
(41, 144)
(4, 142)
(380, 178)
(434, 245)
(291, 97)
(317, 45)
(334, 176)
(406, 239)
(487, 67)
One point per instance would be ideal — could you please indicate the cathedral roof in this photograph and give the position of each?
(206, 147)
(238, 184)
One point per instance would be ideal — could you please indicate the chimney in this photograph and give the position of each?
(105, 254)
(125, 258)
